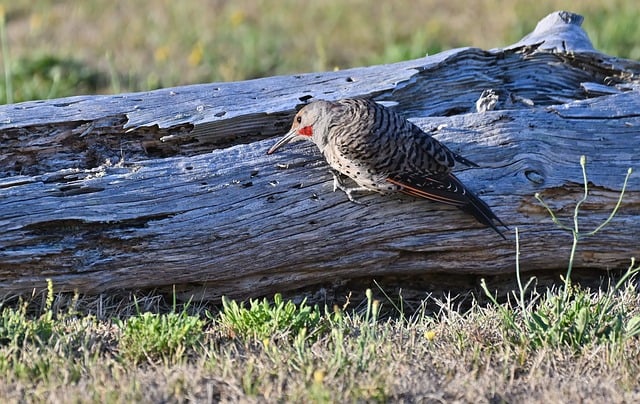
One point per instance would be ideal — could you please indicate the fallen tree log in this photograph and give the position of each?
(172, 188)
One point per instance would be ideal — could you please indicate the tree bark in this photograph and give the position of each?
(172, 188)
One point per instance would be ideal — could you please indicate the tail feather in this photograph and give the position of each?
(449, 190)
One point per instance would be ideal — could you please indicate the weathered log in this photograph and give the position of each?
(173, 188)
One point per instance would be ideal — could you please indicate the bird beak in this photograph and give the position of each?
(285, 139)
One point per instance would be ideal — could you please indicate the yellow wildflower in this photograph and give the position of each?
(161, 54)
(236, 18)
(195, 57)
(430, 335)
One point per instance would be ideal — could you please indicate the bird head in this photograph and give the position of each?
(309, 123)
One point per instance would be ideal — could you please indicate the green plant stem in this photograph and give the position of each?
(6, 60)
(618, 204)
(583, 165)
(575, 232)
(521, 289)
(574, 246)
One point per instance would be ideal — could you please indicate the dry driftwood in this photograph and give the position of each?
(173, 187)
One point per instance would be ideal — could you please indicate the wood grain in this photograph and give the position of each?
(173, 187)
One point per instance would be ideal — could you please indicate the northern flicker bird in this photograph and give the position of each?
(383, 152)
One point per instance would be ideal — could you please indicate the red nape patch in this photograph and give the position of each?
(306, 131)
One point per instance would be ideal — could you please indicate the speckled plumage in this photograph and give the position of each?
(383, 152)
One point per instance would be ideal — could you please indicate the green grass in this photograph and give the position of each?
(264, 320)
(153, 337)
(58, 48)
(454, 355)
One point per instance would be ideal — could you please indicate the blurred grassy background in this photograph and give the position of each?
(54, 48)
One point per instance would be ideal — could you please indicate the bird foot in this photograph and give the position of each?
(338, 184)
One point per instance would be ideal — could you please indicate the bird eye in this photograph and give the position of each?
(299, 119)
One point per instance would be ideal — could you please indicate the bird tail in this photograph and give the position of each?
(449, 190)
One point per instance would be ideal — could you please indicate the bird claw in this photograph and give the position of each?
(349, 192)
(338, 184)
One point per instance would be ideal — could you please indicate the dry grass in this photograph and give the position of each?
(450, 356)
